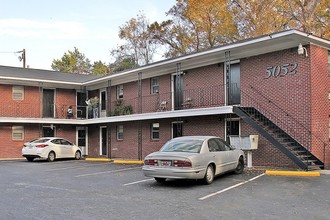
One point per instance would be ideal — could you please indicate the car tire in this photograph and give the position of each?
(240, 166)
(30, 159)
(77, 155)
(209, 175)
(160, 180)
(51, 156)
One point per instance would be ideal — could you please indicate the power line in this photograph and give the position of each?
(21, 58)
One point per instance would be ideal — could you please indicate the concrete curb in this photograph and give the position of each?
(99, 159)
(128, 161)
(291, 173)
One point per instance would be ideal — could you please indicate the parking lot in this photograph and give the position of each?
(70, 189)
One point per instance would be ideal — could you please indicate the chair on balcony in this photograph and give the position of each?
(187, 103)
(162, 106)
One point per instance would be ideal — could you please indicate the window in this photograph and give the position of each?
(17, 133)
(18, 93)
(216, 145)
(154, 86)
(155, 131)
(120, 91)
(120, 132)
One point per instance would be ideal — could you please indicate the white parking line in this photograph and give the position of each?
(231, 187)
(141, 181)
(74, 167)
(28, 185)
(110, 171)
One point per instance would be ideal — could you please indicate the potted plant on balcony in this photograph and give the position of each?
(93, 106)
(121, 109)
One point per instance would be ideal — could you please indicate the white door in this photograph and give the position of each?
(82, 139)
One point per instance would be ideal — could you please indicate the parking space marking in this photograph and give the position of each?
(74, 167)
(28, 185)
(231, 187)
(110, 171)
(141, 181)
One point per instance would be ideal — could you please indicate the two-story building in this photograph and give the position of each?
(276, 86)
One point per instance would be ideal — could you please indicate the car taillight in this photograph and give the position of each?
(181, 163)
(151, 162)
(42, 145)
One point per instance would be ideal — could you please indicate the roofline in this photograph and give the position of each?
(226, 47)
(40, 80)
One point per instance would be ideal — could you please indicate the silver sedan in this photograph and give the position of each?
(193, 157)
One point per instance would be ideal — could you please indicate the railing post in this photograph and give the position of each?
(227, 74)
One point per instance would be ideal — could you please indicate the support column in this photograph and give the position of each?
(140, 111)
(227, 74)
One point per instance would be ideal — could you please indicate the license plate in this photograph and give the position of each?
(165, 163)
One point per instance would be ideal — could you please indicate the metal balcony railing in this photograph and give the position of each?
(201, 97)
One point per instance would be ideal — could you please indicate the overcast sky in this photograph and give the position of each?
(47, 29)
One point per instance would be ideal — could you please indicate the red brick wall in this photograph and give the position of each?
(94, 140)
(285, 100)
(28, 107)
(320, 108)
(150, 102)
(266, 154)
(205, 125)
(204, 86)
(165, 134)
(10, 148)
(65, 98)
(128, 147)
(67, 132)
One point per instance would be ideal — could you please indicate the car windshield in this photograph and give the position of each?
(191, 146)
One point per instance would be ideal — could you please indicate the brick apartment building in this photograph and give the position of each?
(276, 86)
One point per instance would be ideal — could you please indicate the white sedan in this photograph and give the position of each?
(193, 157)
(50, 148)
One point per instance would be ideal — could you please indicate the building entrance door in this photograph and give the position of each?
(177, 129)
(48, 103)
(232, 128)
(177, 91)
(103, 140)
(234, 90)
(48, 131)
(82, 139)
(81, 105)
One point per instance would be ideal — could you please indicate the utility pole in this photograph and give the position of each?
(22, 57)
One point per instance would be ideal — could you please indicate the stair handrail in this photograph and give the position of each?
(289, 115)
(285, 112)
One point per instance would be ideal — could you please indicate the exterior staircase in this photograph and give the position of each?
(299, 154)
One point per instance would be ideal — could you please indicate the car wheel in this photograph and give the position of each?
(77, 155)
(240, 166)
(209, 175)
(51, 156)
(30, 159)
(160, 180)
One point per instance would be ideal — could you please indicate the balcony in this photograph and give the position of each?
(198, 98)
(160, 102)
